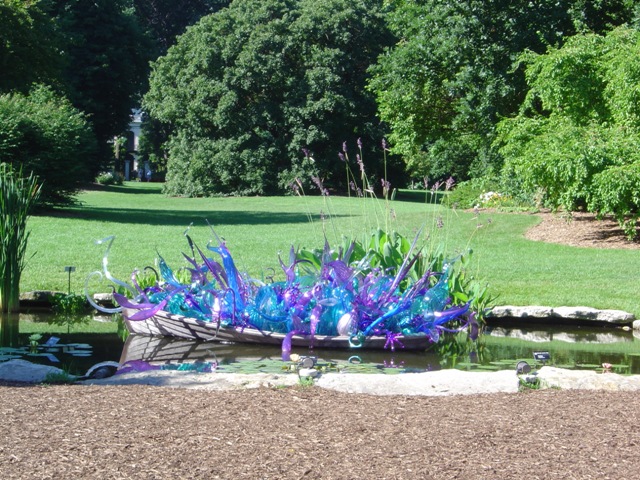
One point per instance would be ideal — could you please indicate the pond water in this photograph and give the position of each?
(500, 347)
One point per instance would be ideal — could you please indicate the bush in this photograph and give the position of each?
(109, 178)
(577, 137)
(44, 134)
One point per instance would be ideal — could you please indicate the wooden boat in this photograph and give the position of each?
(173, 325)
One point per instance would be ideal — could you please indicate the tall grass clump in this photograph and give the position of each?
(428, 256)
(18, 195)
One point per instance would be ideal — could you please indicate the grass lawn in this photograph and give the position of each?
(256, 229)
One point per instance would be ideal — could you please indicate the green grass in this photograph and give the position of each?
(256, 229)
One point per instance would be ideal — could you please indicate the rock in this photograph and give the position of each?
(308, 373)
(438, 383)
(588, 313)
(636, 325)
(104, 299)
(539, 336)
(23, 371)
(39, 298)
(199, 381)
(552, 377)
(567, 314)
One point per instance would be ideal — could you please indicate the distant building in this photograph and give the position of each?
(133, 159)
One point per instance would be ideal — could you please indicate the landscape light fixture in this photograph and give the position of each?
(523, 368)
(307, 362)
(69, 270)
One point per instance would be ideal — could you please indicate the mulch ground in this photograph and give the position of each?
(130, 432)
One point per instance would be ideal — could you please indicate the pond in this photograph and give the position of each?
(500, 347)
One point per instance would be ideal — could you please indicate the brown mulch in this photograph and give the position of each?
(130, 432)
(72, 432)
(580, 229)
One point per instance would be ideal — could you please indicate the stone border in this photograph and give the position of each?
(437, 383)
(564, 315)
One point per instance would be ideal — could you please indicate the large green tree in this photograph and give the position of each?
(453, 74)
(165, 20)
(29, 46)
(107, 64)
(577, 136)
(247, 88)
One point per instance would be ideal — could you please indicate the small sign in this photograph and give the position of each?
(541, 356)
(69, 269)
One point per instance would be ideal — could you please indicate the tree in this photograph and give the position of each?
(577, 136)
(247, 88)
(43, 134)
(29, 46)
(443, 87)
(107, 65)
(165, 20)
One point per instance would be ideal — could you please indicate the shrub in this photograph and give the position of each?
(109, 178)
(44, 134)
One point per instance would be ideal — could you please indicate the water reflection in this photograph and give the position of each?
(9, 329)
(500, 347)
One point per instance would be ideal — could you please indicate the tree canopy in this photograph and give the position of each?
(577, 136)
(107, 64)
(29, 46)
(454, 73)
(247, 88)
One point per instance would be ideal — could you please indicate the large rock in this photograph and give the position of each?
(565, 314)
(17, 370)
(552, 377)
(37, 299)
(438, 383)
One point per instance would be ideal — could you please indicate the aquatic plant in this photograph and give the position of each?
(343, 297)
(18, 195)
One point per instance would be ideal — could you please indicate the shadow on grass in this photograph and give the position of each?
(129, 187)
(184, 217)
(420, 196)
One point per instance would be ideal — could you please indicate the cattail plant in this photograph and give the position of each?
(18, 195)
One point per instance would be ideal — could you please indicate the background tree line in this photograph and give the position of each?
(236, 91)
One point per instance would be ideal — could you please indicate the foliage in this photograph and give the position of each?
(107, 65)
(109, 178)
(28, 46)
(451, 76)
(247, 88)
(577, 135)
(59, 378)
(165, 20)
(42, 133)
(69, 304)
(70, 309)
(17, 197)
(490, 191)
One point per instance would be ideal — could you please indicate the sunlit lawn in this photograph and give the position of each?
(146, 223)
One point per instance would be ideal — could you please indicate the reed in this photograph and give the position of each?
(18, 195)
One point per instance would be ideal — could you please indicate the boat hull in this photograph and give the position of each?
(173, 325)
